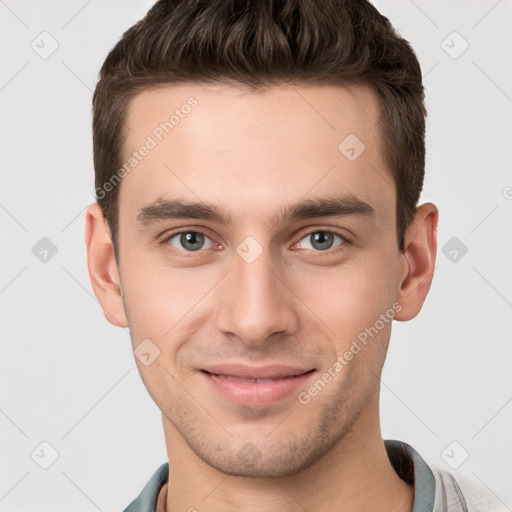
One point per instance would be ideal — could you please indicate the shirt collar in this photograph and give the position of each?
(412, 469)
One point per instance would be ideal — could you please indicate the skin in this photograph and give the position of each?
(253, 153)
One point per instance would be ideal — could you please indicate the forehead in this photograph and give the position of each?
(250, 150)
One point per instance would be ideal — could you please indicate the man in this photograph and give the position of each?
(258, 170)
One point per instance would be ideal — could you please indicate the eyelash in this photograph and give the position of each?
(344, 240)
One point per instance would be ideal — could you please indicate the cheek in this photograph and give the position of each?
(160, 298)
(353, 307)
(347, 299)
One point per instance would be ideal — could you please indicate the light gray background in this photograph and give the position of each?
(69, 378)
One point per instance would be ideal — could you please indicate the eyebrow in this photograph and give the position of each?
(326, 206)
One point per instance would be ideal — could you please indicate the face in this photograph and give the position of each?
(259, 262)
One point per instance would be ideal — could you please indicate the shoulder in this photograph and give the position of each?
(148, 498)
(456, 493)
(437, 490)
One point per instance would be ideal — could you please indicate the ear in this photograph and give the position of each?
(418, 261)
(102, 266)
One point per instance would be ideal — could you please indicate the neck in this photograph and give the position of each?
(354, 475)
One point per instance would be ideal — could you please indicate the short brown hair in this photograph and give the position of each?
(259, 43)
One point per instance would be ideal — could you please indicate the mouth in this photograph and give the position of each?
(246, 385)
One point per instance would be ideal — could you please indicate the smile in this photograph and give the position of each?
(245, 385)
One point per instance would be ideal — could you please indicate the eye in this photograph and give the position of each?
(189, 241)
(321, 240)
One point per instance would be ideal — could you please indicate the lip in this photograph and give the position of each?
(249, 385)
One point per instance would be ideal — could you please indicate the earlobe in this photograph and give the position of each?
(101, 263)
(418, 260)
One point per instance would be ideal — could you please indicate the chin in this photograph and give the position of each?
(274, 460)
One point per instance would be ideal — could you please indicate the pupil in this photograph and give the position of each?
(322, 240)
(189, 239)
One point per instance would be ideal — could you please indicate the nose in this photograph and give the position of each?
(256, 301)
